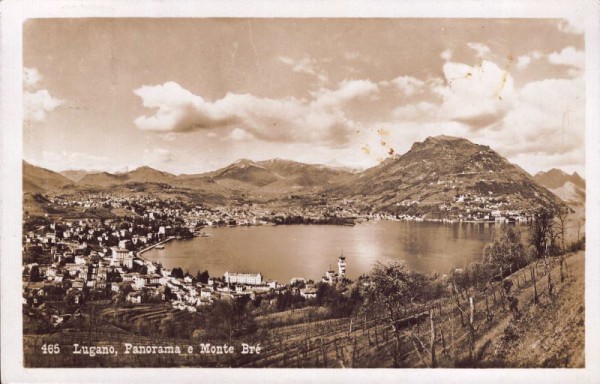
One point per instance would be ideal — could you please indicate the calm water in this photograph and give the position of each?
(283, 252)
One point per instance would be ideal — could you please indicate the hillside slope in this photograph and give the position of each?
(435, 173)
(37, 179)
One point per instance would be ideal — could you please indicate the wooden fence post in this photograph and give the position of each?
(472, 332)
(432, 339)
(535, 295)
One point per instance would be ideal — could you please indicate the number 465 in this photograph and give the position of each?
(50, 349)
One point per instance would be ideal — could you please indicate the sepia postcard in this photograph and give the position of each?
(309, 191)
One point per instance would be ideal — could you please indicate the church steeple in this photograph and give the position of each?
(342, 265)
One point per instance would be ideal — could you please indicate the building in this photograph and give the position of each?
(330, 277)
(342, 266)
(118, 256)
(309, 292)
(243, 278)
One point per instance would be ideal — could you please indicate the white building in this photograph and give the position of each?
(121, 257)
(243, 278)
(309, 292)
(118, 256)
(342, 266)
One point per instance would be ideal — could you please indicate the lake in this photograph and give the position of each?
(283, 252)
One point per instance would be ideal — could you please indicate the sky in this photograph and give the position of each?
(194, 95)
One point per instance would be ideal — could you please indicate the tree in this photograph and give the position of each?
(203, 277)
(561, 225)
(507, 253)
(542, 233)
(34, 273)
(177, 273)
(390, 289)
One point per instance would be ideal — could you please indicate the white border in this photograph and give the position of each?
(12, 15)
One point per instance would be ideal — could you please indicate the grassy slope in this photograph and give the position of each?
(550, 334)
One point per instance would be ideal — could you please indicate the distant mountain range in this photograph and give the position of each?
(570, 188)
(433, 172)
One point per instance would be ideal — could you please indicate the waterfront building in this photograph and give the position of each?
(243, 278)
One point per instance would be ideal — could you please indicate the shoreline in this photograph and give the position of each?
(139, 253)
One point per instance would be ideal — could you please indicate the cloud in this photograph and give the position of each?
(523, 61)
(446, 55)
(416, 112)
(568, 56)
(178, 110)
(481, 50)
(37, 104)
(31, 77)
(476, 95)
(409, 85)
(239, 134)
(305, 65)
(538, 124)
(320, 119)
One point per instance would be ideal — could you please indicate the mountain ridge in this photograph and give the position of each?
(431, 176)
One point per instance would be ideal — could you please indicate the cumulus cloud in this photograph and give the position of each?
(36, 103)
(416, 111)
(476, 95)
(524, 60)
(409, 85)
(178, 110)
(320, 119)
(31, 77)
(568, 56)
(548, 118)
(481, 50)
(536, 125)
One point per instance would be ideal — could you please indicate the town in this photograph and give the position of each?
(78, 258)
(81, 259)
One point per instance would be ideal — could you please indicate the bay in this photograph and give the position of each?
(283, 252)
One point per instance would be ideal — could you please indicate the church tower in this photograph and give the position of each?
(342, 266)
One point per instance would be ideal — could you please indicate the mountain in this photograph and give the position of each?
(277, 176)
(435, 173)
(37, 179)
(570, 188)
(139, 175)
(149, 175)
(556, 178)
(102, 179)
(75, 175)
